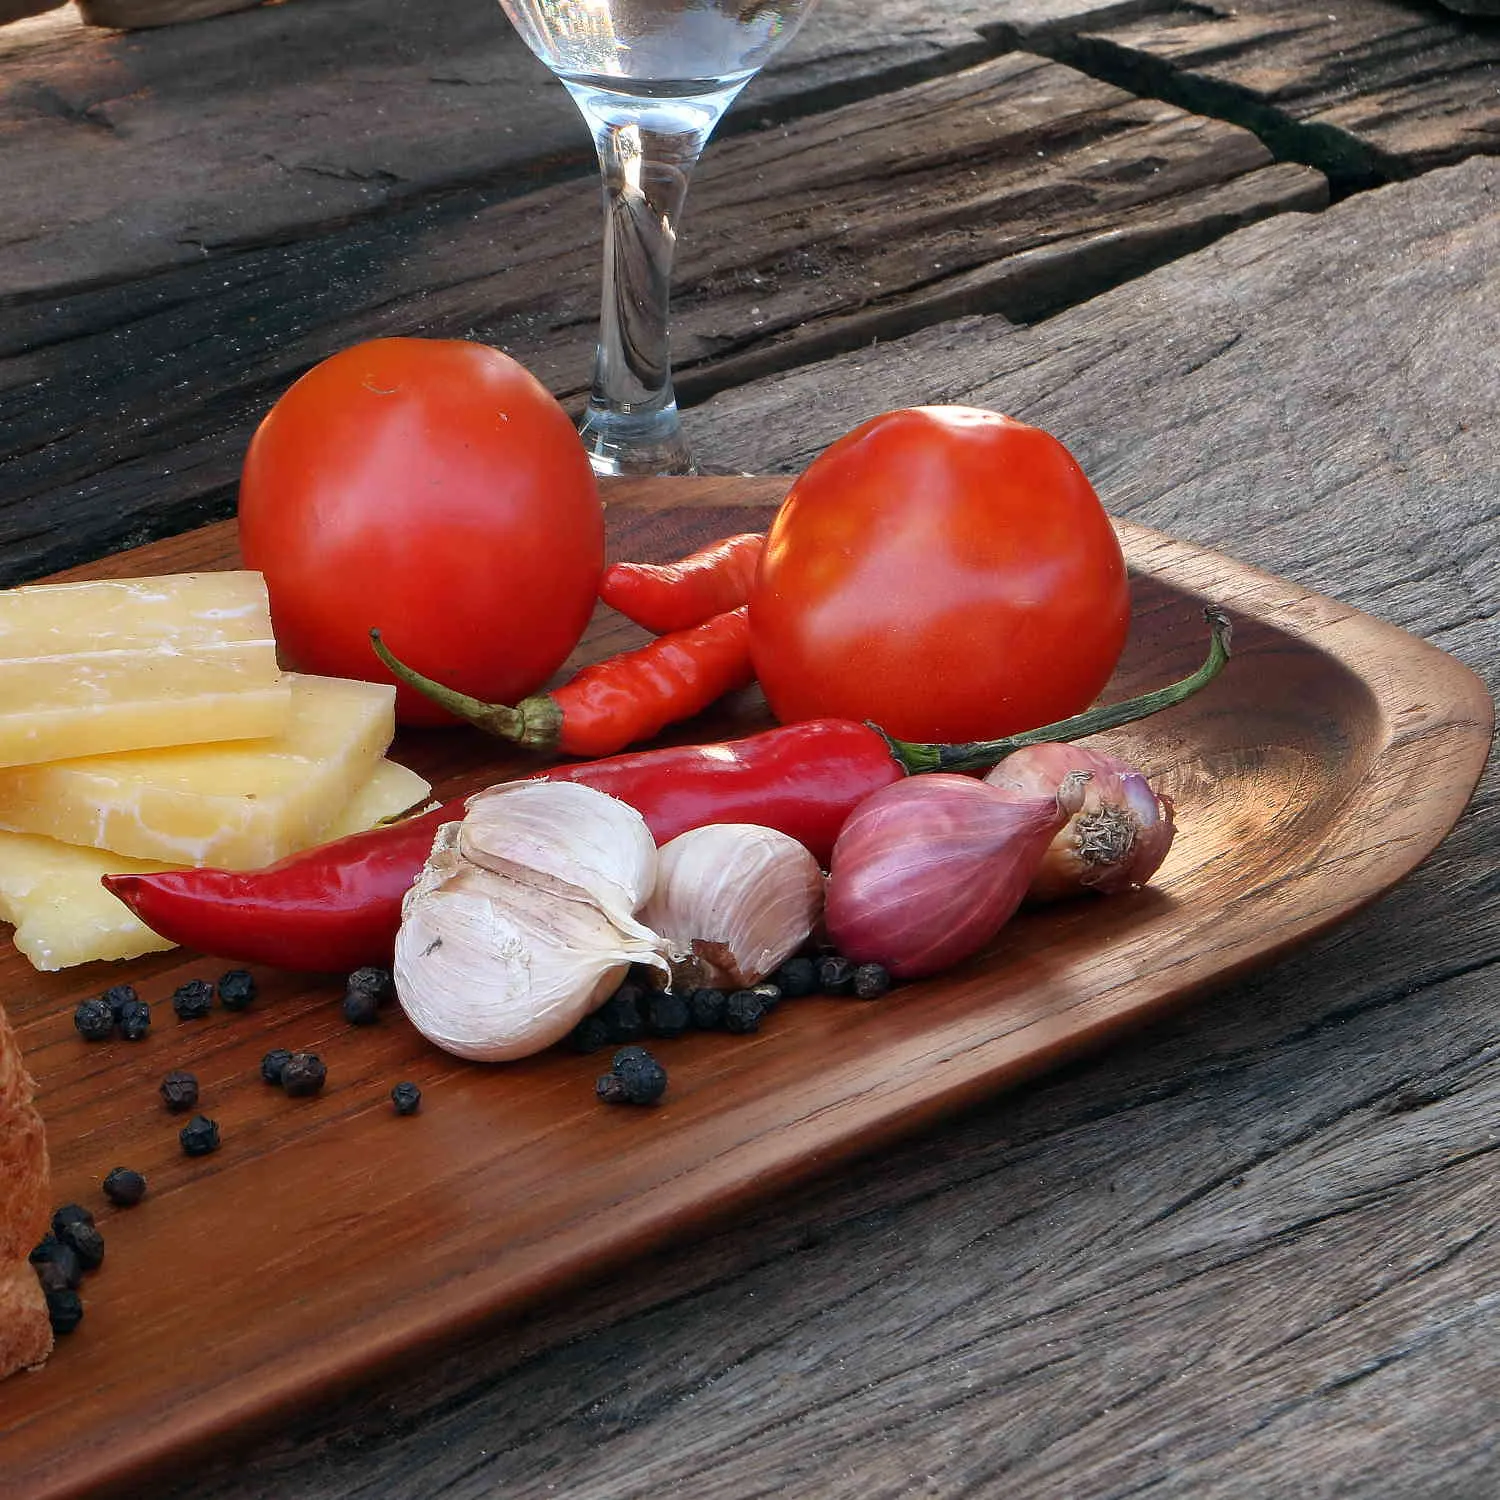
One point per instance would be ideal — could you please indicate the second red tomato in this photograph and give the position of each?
(944, 572)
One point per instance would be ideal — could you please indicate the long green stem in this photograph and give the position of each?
(535, 721)
(980, 754)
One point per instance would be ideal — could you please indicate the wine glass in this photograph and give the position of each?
(652, 78)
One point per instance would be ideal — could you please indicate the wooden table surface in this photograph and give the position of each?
(1245, 262)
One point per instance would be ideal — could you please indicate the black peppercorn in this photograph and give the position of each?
(94, 1020)
(871, 981)
(707, 1008)
(610, 1087)
(373, 981)
(199, 1136)
(743, 1012)
(135, 1020)
(770, 995)
(60, 1258)
(644, 1078)
(273, 1065)
(621, 1014)
(635, 1077)
(236, 989)
(116, 996)
(361, 1007)
(65, 1309)
(406, 1098)
(835, 975)
(796, 978)
(589, 1035)
(193, 1000)
(124, 1187)
(86, 1240)
(667, 1015)
(54, 1276)
(179, 1091)
(303, 1074)
(70, 1213)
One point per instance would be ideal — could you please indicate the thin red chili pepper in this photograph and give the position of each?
(676, 596)
(337, 906)
(613, 703)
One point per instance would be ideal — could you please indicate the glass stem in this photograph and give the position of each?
(647, 151)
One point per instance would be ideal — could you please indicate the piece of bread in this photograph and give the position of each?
(25, 1198)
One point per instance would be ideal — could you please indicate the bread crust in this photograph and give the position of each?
(25, 1328)
(25, 1197)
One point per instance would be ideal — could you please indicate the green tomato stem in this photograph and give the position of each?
(535, 722)
(981, 754)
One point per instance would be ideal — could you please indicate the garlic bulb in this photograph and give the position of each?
(564, 837)
(740, 897)
(513, 933)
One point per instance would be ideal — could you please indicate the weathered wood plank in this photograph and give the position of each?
(136, 14)
(1254, 1253)
(129, 153)
(1367, 91)
(787, 253)
(16, 10)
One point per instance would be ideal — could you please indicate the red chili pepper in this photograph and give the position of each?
(613, 703)
(337, 906)
(679, 595)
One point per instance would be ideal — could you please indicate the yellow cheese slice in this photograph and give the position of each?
(391, 791)
(63, 916)
(128, 664)
(238, 805)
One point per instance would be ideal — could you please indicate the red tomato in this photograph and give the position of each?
(946, 573)
(435, 489)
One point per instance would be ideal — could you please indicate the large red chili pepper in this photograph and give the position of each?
(613, 703)
(679, 595)
(337, 906)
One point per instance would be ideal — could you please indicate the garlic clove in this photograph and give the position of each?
(564, 837)
(491, 968)
(741, 897)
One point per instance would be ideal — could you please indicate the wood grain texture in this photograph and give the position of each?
(327, 110)
(15, 10)
(1253, 1252)
(1367, 91)
(1343, 756)
(1020, 186)
(131, 15)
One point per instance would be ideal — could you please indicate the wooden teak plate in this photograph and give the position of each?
(328, 1237)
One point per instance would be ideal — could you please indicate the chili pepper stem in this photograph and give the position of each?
(981, 754)
(534, 721)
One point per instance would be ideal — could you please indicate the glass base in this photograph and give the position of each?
(635, 442)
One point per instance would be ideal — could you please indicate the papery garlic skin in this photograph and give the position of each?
(1116, 841)
(565, 837)
(492, 968)
(741, 897)
(925, 872)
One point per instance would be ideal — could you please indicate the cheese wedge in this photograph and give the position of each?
(127, 664)
(238, 805)
(391, 791)
(63, 916)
